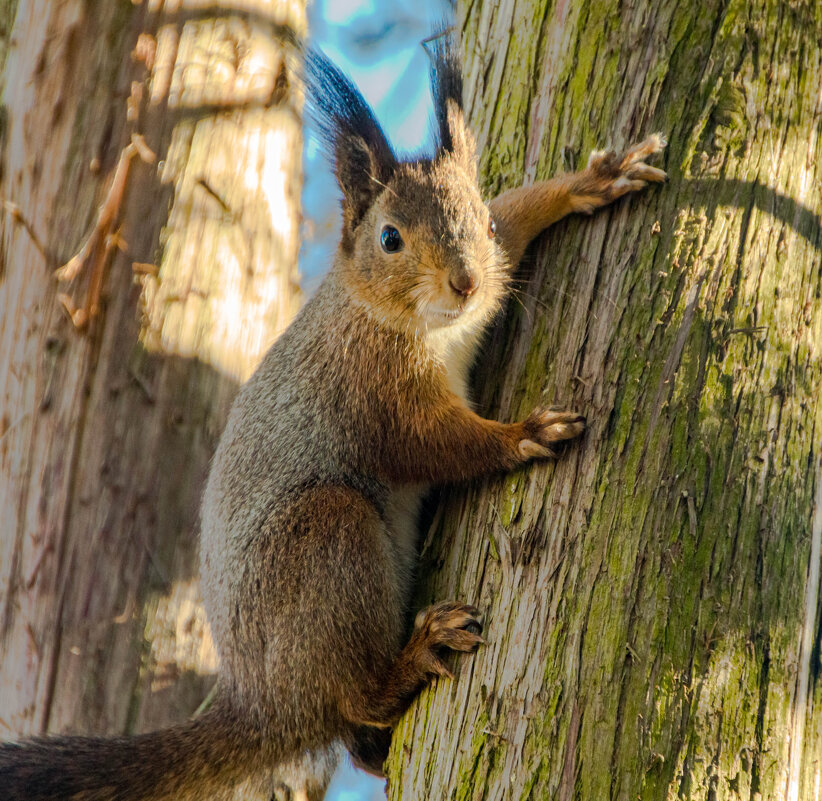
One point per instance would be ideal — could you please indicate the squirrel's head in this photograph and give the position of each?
(417, 244)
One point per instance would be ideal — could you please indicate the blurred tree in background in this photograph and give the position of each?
(150, 181)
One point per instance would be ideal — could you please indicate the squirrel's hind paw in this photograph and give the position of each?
(445, 625)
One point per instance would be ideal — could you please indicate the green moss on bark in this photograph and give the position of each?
(646, 595)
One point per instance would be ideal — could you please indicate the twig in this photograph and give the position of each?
(32, 577)
(101, 241)
(212, 694)
(201, 182)
(14, 210)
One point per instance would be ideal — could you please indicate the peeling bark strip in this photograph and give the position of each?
(104, 440)
(656, 634)
(808, 638)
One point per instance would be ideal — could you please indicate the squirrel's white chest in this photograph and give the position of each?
(456, 353)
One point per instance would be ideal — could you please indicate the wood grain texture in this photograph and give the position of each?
(106, 433)
(652, 599)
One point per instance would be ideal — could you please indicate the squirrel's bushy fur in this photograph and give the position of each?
(309, 515)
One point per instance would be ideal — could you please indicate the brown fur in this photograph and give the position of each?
(309, 516)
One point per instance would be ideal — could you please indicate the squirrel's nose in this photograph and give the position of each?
(463, 282)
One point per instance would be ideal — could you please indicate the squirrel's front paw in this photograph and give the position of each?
(544, 427)
(445, 625)
(610, 175)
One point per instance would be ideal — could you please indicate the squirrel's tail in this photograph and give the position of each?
(203, 758)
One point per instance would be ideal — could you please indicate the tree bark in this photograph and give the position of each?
(117, 374)
(653, 614)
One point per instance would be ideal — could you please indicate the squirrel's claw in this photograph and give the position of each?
(546, 426)
(446, 625)
(610, 175)
(606, 164)
(655, 143)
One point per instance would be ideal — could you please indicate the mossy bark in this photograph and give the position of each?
(106, 430)
(652, 598)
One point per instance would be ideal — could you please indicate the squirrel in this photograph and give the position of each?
(309, 516)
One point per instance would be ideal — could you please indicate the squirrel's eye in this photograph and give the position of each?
(492, 229)
(390, 239)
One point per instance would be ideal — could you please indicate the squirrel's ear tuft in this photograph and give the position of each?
(363, 158)
(463, 145)
(446, 87)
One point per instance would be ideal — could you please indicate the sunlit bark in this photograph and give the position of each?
(652, 599)
(114, 383)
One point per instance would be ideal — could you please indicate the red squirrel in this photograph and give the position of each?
(309, 518)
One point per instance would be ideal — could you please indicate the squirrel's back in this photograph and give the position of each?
(311, 416)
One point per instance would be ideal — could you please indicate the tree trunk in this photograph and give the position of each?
(652, 598)
(116, 375)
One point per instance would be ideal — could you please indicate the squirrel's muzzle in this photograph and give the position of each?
(463, 281)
